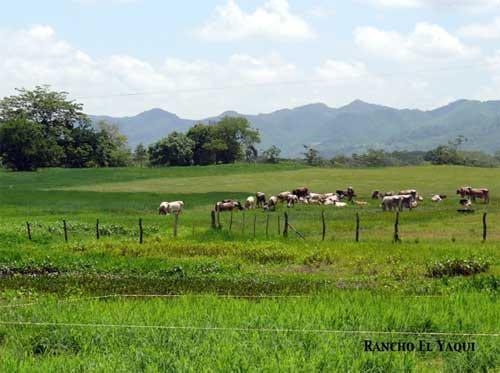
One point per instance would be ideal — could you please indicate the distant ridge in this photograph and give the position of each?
(352, 128)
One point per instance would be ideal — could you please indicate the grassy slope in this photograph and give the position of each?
(236, 263)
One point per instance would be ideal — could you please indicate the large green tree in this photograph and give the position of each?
(174, 150)
(69, 138)
(23, 146)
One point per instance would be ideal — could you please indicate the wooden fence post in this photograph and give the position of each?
(485, 227)
(231, 221)
(140, 231)
(214, 224)
(254, 224)
(97, 233)
(285, 229)
(396, 229)
(267, 225)
(243, 223)
(65, 231)
(176, 219)
(29, 230)
(357, 227)
(324, 224)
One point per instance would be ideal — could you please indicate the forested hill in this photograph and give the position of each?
(348, 129)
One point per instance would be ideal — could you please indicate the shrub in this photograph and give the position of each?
(457, 267)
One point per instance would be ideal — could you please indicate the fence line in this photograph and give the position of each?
(216, 224)
(240, 329)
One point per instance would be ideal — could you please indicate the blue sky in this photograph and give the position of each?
(200, 58)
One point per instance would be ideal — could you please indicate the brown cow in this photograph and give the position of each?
(228, 205)
(473, 193)
(301, 192)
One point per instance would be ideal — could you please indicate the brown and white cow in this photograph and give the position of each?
(283, 196)
(228, 205)
(271, 204)
(261, 199)
(292, 199)
(473, 193)
(171, 207)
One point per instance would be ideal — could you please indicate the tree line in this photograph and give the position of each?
(43, 128)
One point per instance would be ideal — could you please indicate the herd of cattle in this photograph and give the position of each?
(389, 201)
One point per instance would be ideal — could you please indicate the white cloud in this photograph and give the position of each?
(341, 71)
(472, 5)
(425, 41)
(37, 56)
(482, 30)
(274, 20)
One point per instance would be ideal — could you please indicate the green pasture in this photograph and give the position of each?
(375, 284)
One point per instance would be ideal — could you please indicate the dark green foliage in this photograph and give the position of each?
(42, 128)
(24, 147)
(174, 150)
(457, 267)
(140, 155)
(227, 141)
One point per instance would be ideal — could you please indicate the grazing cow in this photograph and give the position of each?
(292, 199)
(271, 204)
(261, 199)
(228, 205)
(283, 196)
(376, 194)
(301, 192)
(168, 207)
(473, 193)
(250, 203)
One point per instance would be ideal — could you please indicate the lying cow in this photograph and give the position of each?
(465, 202)
(438, 198)
(377, 194)
(228, 205)
(261, 199)
(171, 207)
(250, 203)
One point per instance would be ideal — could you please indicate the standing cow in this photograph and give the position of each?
(473, 193)
(168, 207)
(301, 192)
(261, 199)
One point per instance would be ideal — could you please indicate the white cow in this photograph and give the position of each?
(250, 203)
(169, 207)
(436, 198)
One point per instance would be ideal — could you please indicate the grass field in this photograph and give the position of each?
(316, 286)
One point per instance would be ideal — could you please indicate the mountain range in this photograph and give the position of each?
(353, 128)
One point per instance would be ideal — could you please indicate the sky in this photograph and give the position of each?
(201, 58)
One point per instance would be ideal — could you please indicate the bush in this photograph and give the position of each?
(457, 267)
